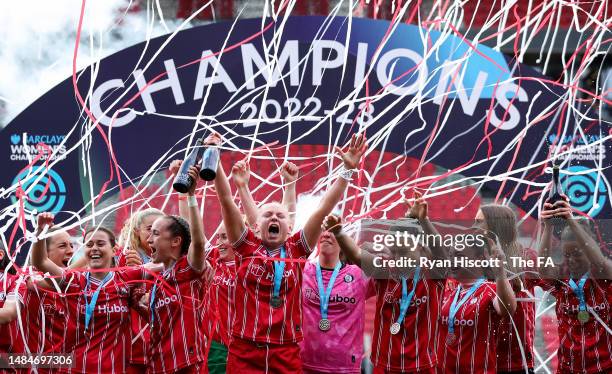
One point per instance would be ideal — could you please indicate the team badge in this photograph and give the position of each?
(348, 278)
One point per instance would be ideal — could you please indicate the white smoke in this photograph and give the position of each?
(37, 42)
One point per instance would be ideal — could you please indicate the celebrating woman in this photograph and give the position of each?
(177, 333)
(471, 312)
(221, 293)
(515, 334)
(268, 320)
(44, 311)
(136, 251)
(583, 296)
(222, 288)
(407, 299)
(134, 235)
(98, 300)
(333, 303)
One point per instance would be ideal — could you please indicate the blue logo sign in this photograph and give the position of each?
(15, 139)
(585, 190)
(45, 195)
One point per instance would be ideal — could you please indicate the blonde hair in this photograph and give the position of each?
(128, 239)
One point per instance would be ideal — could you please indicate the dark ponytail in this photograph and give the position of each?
(180, 227)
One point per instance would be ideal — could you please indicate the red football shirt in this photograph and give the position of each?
(105, 346)
(516, 334)
(413, 347)
(476, 324)
(584, 348)
(11, 286)
(43, 319)
(255, 319)
(222, 298)
(209, 315)
(139, 326)
(177, 334)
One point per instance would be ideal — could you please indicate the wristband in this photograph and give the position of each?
(347, 174)
(192, 201)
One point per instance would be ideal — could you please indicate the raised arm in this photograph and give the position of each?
(232, 219)
(196, 254)
(241, 174)
(600, 265)
(40, 258)
(505, 302)
(351, 158)
(290, 172)
(419, 210)
(174, 168)
(545, 246)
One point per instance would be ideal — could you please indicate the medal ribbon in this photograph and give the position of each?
(91, 305)
(279, 270)
(407, 297)
(324, 293)
(579, 290)
(454, 308)
(152, 304)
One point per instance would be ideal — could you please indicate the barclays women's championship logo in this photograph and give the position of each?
(47, 194)
(585, 189)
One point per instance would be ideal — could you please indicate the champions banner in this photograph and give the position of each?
(310, 80)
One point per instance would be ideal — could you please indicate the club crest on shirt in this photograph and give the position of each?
(473, 301)
(348, 278)
(256, 269)
(123, 291)
(310, 294)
